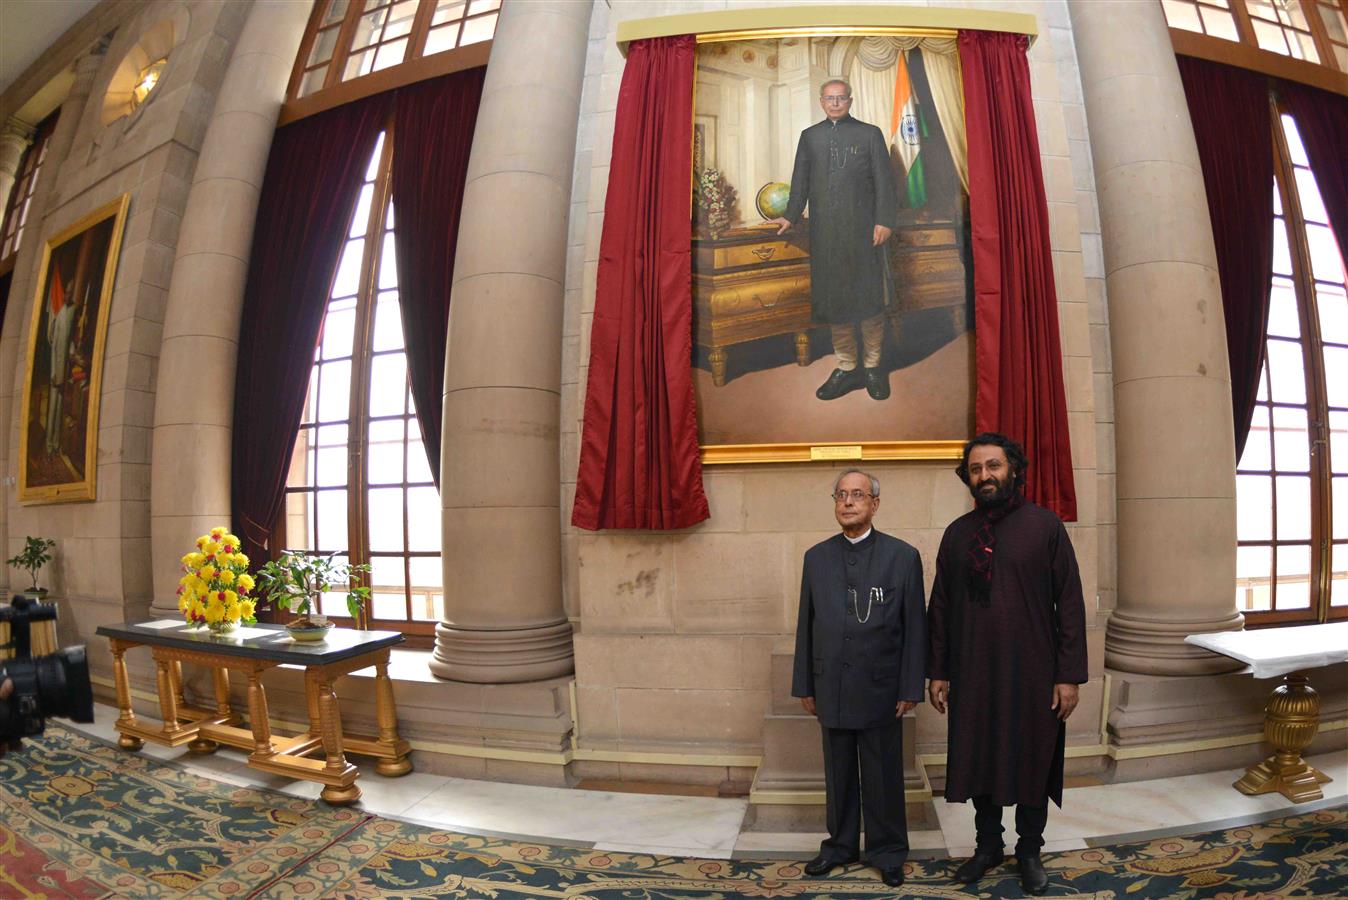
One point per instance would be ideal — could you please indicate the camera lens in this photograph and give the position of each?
(63, 685)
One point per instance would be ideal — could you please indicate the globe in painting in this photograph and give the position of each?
(772, 198)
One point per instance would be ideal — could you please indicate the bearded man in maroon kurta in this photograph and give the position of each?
(1008, 650)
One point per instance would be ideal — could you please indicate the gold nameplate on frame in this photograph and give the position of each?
(851, 451)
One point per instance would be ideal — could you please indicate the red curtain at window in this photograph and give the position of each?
(308, 195)
(639, 460)
(1018, 356)
(1322, 121)
(1229, 108)
(433, 134)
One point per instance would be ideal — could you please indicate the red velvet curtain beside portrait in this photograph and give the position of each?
(639, 459)
(432, 134)
(1018, 356)
(1322, 122)
(1230, 108)
(308, 194)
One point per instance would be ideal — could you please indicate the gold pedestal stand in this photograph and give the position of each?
(1291, 719)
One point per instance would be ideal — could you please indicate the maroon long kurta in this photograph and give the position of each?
(1003, 659)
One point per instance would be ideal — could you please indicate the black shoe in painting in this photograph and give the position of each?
(840, 383)
(877, 384)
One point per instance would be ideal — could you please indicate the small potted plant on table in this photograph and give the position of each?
(35, 554)
(296, 580)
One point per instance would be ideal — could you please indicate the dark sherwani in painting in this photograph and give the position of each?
(843, 170)
(1003, 658)
(860, 649)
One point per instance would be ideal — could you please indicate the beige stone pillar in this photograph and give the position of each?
(1172, 392)
(189, 475)
(15, 136)
(14, 335)
(499, 468)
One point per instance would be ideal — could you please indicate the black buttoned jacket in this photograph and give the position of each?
(860, 651)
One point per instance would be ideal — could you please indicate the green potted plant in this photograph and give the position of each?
(296, 580)
(35, 554)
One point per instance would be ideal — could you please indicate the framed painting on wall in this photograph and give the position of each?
(58, 445)
(832, 278)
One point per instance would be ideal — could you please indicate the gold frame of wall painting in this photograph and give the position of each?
(809, 22)
(85, 364)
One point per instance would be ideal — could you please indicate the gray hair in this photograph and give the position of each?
(847, 87)
(875, 482)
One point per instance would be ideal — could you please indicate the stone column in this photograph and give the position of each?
(15, 137)
(1172, 392)
(189, 474)
(14, 339)
(499, 467)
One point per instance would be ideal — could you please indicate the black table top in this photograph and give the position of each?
(275, 645)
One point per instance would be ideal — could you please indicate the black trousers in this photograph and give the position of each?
(878, 755)
(1030, 822)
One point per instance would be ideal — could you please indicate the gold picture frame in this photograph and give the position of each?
(58, 443)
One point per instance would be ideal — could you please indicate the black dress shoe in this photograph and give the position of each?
(976, 866)
(822, 865)
(892, 876)
(840, 383)
(1033, 878)
(877, 384)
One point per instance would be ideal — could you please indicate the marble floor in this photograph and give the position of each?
(711, 827)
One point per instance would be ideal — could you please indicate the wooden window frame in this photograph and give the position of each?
(25, 186)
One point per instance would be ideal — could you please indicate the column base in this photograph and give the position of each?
(503, 656)
(1152, 647)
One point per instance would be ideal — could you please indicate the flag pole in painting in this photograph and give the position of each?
(907, 128)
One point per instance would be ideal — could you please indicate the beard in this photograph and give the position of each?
(986, 500)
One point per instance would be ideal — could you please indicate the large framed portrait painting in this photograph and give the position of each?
(832, 282)
(59, 444)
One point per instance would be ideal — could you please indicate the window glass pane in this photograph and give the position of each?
(388, 323)
(423, 518)
(1338, 584)
(1262, 9)
(1253, 570)
(358, 64)
(1325, 261)
(324, 41)
(348, 270)
(388, 385)
(369, 28)
(447, 11)
(400, 20)
(299, 521)
(427, 571)
(1287, 377)
(338, 331)
(386, 456)
(331, 520)
(1282, 255)
(1282, 309)
(1270, 37)
(1257, 456)
(476, 7)
(1219, 23)
(389, 605)
(386, 518)
(1262, 392)
(387, 571)
(1254, 507)
(1294, 508)
(336, 11)
(418, 467)
(1291, 446)
(1341, 54)
(1294, 583)
(1181, 14)
(442, 38)
(1335, 25)
(479, 29)
(1312, 205)
(299, 474)
(313, 81)
(390, 54)
(1333, 309)
(310, 399)
(1336, 375)
(331, 468)
(372, 170)
(1303, 46)
(1338, 442)
(388, 266)
(334, 394)
(1294, 146)
(1339, 491)
(360, 219)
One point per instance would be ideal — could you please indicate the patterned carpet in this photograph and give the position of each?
(83, 819)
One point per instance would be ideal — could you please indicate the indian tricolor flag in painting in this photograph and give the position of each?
(907, 128)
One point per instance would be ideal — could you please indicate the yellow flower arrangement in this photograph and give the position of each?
(214, 588)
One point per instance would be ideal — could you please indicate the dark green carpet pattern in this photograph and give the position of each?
(82, 819)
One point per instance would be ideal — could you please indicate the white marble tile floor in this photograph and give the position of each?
(711, 827)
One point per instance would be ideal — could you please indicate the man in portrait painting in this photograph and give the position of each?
(60, 328)
(843, 172)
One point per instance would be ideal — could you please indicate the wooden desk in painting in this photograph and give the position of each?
(1292, 715)
(252, 650)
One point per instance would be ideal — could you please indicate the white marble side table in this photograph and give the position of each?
(1292, 715)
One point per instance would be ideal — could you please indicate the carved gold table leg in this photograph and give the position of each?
(126, 716)
(717, 359)
(168, 696)
(1291, 719)
(802, 348)
(258, 718)
(386, 712)
(330, 722)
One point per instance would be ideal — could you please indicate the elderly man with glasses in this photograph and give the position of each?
(843, 171)
(859, 665)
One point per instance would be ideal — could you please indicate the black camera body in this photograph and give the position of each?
(53, 685)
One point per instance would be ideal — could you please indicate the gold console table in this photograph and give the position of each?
(252, 651)
(1292, 715)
